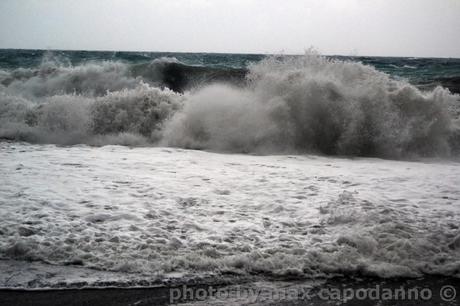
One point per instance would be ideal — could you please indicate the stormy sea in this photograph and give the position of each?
(164, 170)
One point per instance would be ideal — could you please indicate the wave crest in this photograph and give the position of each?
(127, 117)
(91, 79)
(316, 104)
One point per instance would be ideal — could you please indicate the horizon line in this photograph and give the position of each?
(236, 53)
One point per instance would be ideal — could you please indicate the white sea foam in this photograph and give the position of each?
(154, 211)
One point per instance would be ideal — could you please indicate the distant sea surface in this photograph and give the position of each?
(424, 72)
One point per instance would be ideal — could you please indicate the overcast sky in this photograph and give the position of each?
(347, 27)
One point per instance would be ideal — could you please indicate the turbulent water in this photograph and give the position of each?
(388, 107)
(98, 186)
(113, 215)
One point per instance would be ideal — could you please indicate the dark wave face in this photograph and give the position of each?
(452, 83)
(180, 77)
(386, 107)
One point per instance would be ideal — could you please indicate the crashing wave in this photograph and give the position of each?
(127, 117)
(280, 105)
(321, 105)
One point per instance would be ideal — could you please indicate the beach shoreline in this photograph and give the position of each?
(429, 288)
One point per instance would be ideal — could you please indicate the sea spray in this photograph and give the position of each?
(314, 104)
(74, 119)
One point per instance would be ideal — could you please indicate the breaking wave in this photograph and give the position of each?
(279, 105)
(126, 117)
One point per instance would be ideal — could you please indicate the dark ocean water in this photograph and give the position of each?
(426, 72)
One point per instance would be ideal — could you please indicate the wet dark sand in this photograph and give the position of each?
(161, 295)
